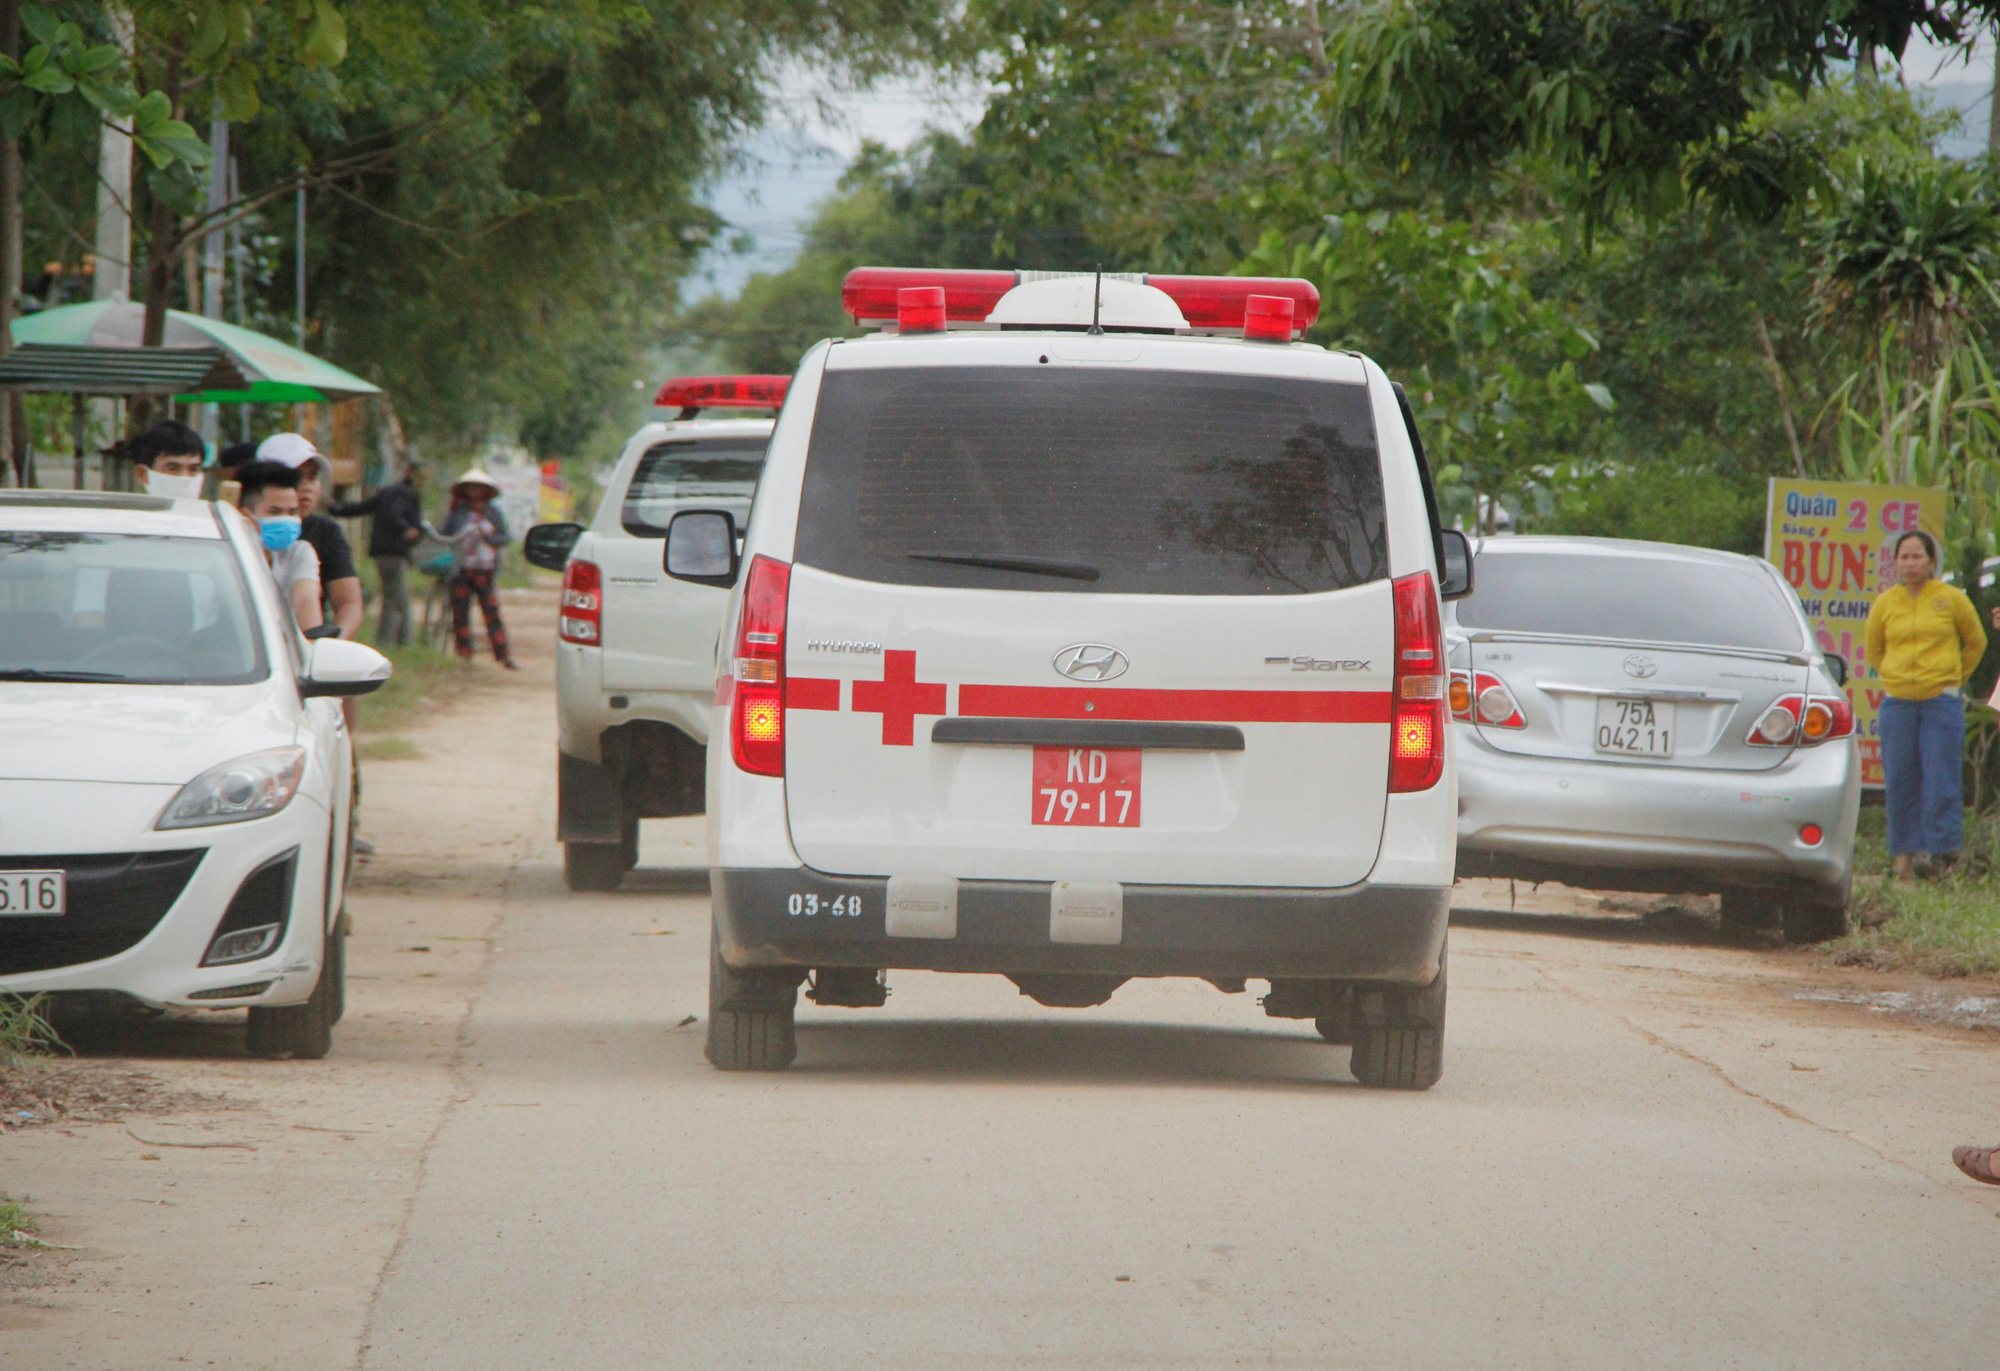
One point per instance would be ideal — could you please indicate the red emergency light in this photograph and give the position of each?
(724, 392)
(1211, 304)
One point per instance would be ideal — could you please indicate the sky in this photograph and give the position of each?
(784, 172)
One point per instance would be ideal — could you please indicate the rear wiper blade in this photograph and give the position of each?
(1010, 561)
(31, 674)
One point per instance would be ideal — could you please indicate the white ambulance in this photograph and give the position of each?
(1084, 628)
(635, 664)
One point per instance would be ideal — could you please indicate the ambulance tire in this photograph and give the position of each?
(1398, 1035)
(593, 866)
(749, 1018)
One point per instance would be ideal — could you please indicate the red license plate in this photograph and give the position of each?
(1096, 786)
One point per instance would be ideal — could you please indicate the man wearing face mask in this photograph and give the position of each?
(167, 460)
(270, 500)
(340, 582)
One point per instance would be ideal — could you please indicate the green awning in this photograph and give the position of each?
(62, 369)
(113, 325)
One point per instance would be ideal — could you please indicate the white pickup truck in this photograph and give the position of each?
(635, 667)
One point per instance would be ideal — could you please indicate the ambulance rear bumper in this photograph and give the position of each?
(1362, 933)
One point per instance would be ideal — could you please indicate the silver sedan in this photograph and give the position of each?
(1647, 717)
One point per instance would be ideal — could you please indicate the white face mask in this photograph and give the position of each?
(173, 487)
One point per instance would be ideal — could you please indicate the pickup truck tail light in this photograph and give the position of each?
(1417, 700)
(582, 618)
(757, 706)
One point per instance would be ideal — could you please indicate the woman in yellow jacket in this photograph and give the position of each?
(1924, 639)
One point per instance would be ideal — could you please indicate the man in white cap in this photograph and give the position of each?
(339, 580)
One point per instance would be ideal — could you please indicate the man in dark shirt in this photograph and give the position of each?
(398, 524)
(339, 581)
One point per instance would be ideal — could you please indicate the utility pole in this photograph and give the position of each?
(112, 278)
(10, 240)
(211, 255)
(299, 260)
(1993, 101)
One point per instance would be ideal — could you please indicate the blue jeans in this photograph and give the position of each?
(1923, 761)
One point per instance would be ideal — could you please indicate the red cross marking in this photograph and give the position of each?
(899, 697)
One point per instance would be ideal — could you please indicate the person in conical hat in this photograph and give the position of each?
(476, 526)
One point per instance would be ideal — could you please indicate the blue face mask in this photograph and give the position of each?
(280, 532)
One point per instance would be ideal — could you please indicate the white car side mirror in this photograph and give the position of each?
(338, 667)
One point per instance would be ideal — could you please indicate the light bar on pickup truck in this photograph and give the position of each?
(724, 392)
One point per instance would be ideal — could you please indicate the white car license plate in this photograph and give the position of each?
(32, 893)
(1635, 728)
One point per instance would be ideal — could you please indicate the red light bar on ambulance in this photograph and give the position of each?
(724, 392)
(1210, 304)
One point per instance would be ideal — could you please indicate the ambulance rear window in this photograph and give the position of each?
(1093, 480)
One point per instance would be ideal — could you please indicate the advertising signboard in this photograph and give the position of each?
(1835, 543)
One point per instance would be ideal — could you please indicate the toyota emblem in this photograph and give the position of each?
(1640, 665)
(1091, 662)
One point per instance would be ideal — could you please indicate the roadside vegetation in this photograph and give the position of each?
(17, 1227)
(423, 673)
(1945, 927)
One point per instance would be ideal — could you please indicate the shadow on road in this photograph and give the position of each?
(1669, 927)
(665, 880)
(906, 1051)
(174, 1035)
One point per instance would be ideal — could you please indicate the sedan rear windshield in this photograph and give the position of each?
(120, 607)
(690, 471)
(1088, 479)
(1651, 599)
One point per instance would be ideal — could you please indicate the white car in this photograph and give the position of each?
(635, 665)
(1098, 639)
(176, 793)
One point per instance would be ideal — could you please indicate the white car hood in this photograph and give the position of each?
(148, 735)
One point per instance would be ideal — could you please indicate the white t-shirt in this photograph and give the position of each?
(296, 563)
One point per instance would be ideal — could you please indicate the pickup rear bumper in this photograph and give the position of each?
(1362, 933)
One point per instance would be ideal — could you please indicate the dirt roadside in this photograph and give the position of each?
(254, 1230)
(251, 1230)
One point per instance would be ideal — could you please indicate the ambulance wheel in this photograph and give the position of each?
(593, 866)
(1398, 1035)
(749, 1017)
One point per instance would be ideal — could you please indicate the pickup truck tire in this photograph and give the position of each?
(593, 866)
(750, 1025)
(1398, 1035)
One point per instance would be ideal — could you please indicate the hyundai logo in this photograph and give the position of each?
(1640, 665)
(1091, 662)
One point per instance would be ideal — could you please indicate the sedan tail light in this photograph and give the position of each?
(1460, 695)
(757, 708)
(1803, 720)
(1494, 704)
(582, 618)
(1416, 717)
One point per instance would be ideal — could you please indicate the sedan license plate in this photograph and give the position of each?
(1635, 728)
(33, 893)
(1087, 786)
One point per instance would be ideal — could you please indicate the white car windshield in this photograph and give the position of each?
(120, 607)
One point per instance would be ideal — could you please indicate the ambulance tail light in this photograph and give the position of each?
(582, 614)
(757, 708)
(920, 309)
(1417, 699)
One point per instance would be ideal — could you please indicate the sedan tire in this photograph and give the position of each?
(304, 1031)
(1814, 915)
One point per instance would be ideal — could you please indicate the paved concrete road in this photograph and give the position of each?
(967, 1179)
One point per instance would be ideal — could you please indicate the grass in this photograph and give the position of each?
(14, 1219)
(1946, 927)
(389, 747)
(24, 1032)
(420, 671)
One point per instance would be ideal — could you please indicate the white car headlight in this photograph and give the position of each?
(251, 787)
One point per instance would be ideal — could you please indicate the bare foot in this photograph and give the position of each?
(1906, 868)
